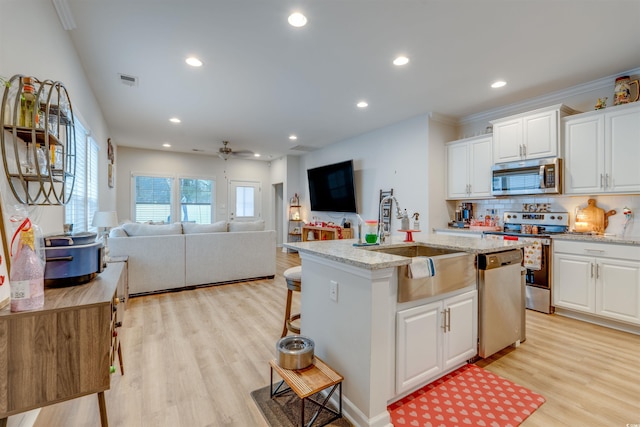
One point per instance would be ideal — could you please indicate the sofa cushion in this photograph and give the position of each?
(118, 232)
(247, 225)
(216, 227)
(135, 229)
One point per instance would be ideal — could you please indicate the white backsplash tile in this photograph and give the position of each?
(568, 204)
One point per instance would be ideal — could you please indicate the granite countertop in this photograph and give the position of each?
(364, 257)
(582, 237)
(598, 238)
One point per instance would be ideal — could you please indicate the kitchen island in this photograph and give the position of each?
(349, 308)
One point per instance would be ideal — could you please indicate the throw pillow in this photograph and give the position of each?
(216, 227)
(135, 229)
(118, 232)
(247, 225)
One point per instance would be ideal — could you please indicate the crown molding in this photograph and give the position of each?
(551, 98)
(64, 14)
(442, 118)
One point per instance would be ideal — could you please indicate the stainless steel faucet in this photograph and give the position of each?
(382, 235)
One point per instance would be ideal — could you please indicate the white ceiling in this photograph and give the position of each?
(263, 80)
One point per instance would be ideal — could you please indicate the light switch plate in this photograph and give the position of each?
(333, 290)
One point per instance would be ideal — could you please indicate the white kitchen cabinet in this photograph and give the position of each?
(598, 278)
(434, 338)
(602, 151)
(531, 135)
(461, 336)
(469, 164)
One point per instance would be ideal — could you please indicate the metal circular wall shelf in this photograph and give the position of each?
(38, 140)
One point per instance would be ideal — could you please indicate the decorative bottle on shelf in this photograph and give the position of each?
(42, 161)
(27, 272)
(28, 101)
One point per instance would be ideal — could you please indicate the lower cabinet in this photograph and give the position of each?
(598, 278)
(435, 338)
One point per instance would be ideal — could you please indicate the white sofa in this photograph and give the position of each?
(174, 256)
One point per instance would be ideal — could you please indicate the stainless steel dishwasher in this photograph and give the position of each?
(501, 304)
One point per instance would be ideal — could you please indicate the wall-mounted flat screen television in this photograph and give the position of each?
(332, 188)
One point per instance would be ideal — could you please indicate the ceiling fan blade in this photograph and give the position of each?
(242, 153)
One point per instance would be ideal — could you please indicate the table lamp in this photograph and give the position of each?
(105, 220)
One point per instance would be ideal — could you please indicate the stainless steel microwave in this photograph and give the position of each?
(540, 176)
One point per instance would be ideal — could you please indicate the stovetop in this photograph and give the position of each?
(534, 224)
(560, 219)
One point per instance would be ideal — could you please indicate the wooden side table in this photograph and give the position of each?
(307, 382)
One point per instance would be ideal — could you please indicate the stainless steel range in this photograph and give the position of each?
(536, 229)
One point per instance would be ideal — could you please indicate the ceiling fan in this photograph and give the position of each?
(225, 152)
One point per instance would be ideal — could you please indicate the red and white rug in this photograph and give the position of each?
(469, 396)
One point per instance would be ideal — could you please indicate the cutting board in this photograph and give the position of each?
(596, 218)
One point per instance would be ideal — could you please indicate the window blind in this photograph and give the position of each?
(83, 203)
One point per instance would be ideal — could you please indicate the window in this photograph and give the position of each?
(244, 200)
(154, 199)
(196, 200)
(83, 202)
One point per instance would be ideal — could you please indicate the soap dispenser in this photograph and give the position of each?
(404, 222)
(416, 222)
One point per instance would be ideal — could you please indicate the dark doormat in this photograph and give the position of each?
(284, 410)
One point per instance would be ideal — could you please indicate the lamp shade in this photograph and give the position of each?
(105, 219)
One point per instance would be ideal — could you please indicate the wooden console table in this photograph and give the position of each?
(325, 233)
(62, 351)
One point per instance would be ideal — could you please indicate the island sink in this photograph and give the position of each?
(454, 270)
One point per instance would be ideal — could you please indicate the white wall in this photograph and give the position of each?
(33, 42)
(399, 157)
(441, 130)
(133, 160)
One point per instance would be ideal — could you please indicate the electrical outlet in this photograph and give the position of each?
(333, 290)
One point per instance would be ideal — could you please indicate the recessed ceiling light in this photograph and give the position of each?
(175, 120)
(256, 155)
(498, 84)
(193, 61)
(362, 104)
(297, 19)
(293, 137)
(166, 144)
(401, 60)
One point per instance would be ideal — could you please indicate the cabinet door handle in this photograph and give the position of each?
(448, 319)
(469, 188)
(520, 150)
(524, 150)
(599, 251)
(597, 271)
(591, 270)
(444, 321)
(606, 180)
(601, 180)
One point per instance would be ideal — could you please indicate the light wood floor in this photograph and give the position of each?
(193, 357)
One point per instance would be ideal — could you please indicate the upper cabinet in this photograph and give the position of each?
(37, 140)
(531, 135)
(602, 150)
(469, 168)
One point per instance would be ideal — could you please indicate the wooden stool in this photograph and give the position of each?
(307, 382)
(293, 276)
